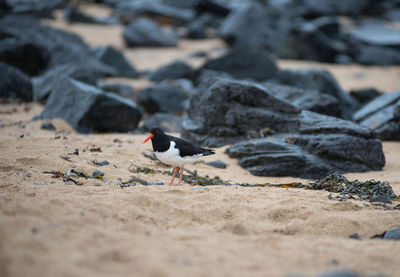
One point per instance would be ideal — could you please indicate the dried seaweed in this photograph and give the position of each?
(364, 190)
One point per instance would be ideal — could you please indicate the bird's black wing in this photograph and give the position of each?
(188, 149)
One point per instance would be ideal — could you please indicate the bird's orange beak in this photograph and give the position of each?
(149, 137)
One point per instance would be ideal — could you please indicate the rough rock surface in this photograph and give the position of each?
(175, 70)
(114, 58)
(163, 98)
(145, 32)
(88, 109)
(383, 115)
(14, 83)
(245, 63)
(298, 143)
(321, 81)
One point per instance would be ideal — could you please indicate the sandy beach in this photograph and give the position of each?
(48, 228)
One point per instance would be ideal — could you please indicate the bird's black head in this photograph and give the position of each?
(155, 133)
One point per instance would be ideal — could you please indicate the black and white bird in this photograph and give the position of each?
(175, 151)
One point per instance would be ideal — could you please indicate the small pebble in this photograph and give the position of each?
(355, 236)
(98, 174)
(217, 164)
(158, 184)
(102, 163)
(48, 126)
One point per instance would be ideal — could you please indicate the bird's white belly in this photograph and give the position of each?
(172, 157)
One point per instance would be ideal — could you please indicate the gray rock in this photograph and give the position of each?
(332, 7)
(26, 56)
(131, 10)
(245, 63)
(115, 59)
(48, 126)
(89, 109)
(381, 199)
(251, 24)
(383, 115)
(53, 41)
(163, 98)
(73, 14)
(216, 164)
(41, 8)
(376, 55)
(197, 29)
(89, 72)
(321, 81)
(317, 40)
(311, 100)
(167, 122)
(363, 96)
(216, 7)
(175, 70)
(392, 234)
(376, 33)
(145, 32)
(14, 83)
(298, 143)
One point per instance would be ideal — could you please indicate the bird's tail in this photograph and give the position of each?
(207, 152)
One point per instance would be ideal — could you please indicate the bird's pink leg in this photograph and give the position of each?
(173, 176)
(180, 177)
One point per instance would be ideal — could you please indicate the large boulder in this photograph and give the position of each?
(89, 72)
(88, 109)
(145, 32)
(318, 40)
(383, 115)
(291, 142)
(41, 8)
(252, 24)
(115, 59)
(62, 47)
(163, 97)
(321, 81)
(175, 70)
(244, 63)
(14, 83)
(311, 100)
(24, 55)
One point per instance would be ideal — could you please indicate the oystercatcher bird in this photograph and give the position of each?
(175, 151)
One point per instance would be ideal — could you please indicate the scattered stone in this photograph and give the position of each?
(88, 73)
(48, 126)
(167, 122)
(89, 109)
(376, 33)
(316, 40)
(115, 59)
(392, 234)
(321, 81)
(14, 83)
(311, 100)
(73, 14)
(102, 163)
(383, 115)
(363, 96)
(26, 56)
(235, 29)
(175, 70)
(197, 29)
(304, 144)
(381, 199)
(145, 32)
(162, 98)
(245, 63)
(41, 8)
(216, 164)
(127, 11)
(355, 236)
(376, 55)
(98, 175)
